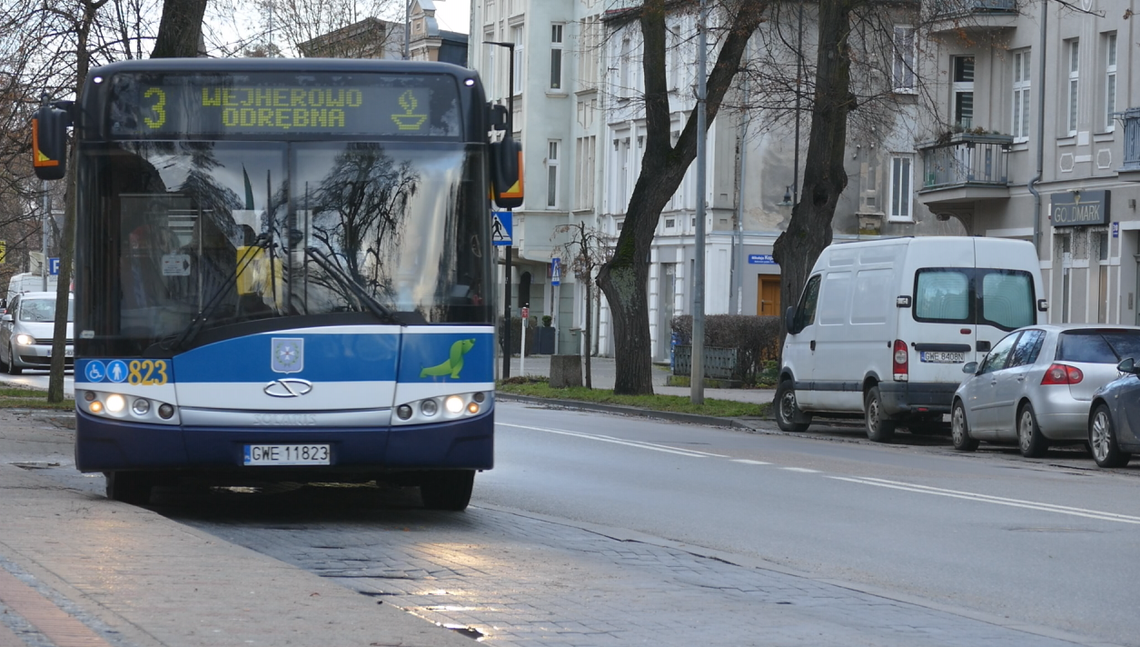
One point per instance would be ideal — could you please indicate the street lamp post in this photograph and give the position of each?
(507, 269)
(408, 29)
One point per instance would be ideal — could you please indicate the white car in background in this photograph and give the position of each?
(26, 330)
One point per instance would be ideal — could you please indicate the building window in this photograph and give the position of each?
(556, 57)
(624, 67)
(904, 57)
(901, 192)
(488, 70)
(963, 67)
(1021, 86)
(584, 198)
(590, 43)
(1073, 66)
(1109, 81)
(517, 39)
(552, 173)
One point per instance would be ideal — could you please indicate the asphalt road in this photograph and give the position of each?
(1027, 540)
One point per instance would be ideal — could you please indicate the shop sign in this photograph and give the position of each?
(1079, 208)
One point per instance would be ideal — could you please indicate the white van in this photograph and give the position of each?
(29, 282)
(884, 326)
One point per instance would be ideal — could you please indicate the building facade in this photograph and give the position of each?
(988, 133)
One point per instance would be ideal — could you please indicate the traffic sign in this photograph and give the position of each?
(501, 228)
(3, 251)
(761, 259)
(525, 312)
(556, 271)
(53, 265)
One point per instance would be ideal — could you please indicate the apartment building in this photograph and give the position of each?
(577, 70)
(1041, 98)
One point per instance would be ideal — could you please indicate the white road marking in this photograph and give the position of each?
(747, 461)
(618, 441)
(986, 498)
(803, 470)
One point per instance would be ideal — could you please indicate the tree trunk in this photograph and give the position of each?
(180, 29)
(810, 229)
(624, 278)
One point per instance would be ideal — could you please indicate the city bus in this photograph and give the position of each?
(283, 272)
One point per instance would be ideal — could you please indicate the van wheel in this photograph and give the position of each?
(787, 411)
(960, 430)
(1030, 440)
(879, 428)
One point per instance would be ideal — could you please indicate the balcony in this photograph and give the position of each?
(963, 169)
(973, 15)
(1130, 172)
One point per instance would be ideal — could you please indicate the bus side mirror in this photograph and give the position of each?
(49, 142)
(506, 162)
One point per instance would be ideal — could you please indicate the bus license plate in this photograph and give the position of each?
(942, 357)
(287, 455)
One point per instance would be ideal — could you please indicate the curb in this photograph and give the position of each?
(672, 416)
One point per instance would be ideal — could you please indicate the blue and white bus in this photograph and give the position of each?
(283, 272)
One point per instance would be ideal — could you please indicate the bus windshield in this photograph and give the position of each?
(203, 235)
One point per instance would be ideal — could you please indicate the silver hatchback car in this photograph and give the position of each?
(1036, 385)
(26, 332)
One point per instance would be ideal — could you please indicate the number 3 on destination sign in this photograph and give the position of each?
(159, 108)
(147, 372)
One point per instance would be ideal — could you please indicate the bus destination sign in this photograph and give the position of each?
(180, 106)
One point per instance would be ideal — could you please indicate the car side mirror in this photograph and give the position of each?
(790, 320)
(7, 317)
(1127, 365)
(970, 367)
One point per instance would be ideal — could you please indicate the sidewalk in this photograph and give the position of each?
(77, 570)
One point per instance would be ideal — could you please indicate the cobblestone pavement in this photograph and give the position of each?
(521, 580)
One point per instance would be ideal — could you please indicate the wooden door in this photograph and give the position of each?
(768, 296)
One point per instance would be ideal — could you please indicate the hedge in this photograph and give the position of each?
(756, 340)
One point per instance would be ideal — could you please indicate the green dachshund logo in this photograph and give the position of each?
(454, 362)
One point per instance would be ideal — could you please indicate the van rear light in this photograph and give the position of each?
(1062, 374)
(901, 361)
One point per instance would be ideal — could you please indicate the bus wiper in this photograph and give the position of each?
(199, 321)
(345, 281)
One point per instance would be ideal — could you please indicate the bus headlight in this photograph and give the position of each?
(429, 407)
(454, 404)
(140, 407)
(115, 403)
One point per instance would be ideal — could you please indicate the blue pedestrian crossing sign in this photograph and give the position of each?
(501, 228)
(555, 271)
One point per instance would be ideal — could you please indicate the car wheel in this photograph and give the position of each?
(129, 487)
(1029, 438)
(960, 430)
(3, 364)
(12, 368)
(879, 428)
(447, 490)
(787, 411)
(1102, 439)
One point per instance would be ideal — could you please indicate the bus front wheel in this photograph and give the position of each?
(129, 487)
(447, 490)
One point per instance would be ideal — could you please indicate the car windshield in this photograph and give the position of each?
(1098, 346)
(41, 310)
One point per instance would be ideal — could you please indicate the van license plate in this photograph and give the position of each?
(941, 357)
(287, 455)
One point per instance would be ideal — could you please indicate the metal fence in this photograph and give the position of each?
(967, 159)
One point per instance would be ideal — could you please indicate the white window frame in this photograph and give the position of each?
(1072, 104)
(625, 73)
(490, 59)
(1022, 85)
(903, 77)
(900, 208)
(557, 36)
(518, 36)
(553, 151)
(585, 179)
(962, 88)
(1110, 54)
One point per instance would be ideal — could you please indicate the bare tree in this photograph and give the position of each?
(587, 250)
(625, 276)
